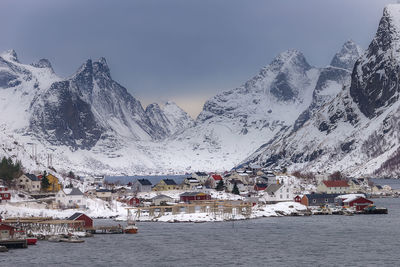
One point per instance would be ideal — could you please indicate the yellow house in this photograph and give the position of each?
(165, 185)
(55, 185)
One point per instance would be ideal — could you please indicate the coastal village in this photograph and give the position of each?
(57, 207)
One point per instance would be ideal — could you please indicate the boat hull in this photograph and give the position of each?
(31, 241)
(131, 231)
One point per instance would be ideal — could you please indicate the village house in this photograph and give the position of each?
(165, 185)
(353, 200)
(190, 183)
(160, 200)
(133, 202)
(5, 195)
(70, 198)
(354, 186)
(189, 197)
(231, 183)
(278, 192)
(54, 186)
(202, 177)
(334, 187)
(6, 231)
(141, 185)
(29, 182)
(95, 180)
(214, 180)
(87, 221)
(318, 199)
(104, 194)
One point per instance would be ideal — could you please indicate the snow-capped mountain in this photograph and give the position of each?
(169, 118)
(357, 131)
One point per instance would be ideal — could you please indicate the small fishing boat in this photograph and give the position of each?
(131, 228)
(72, 239)
(31, 240)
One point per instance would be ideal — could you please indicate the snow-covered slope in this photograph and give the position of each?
(357, 131)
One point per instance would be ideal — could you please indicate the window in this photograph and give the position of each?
(287, 196)
(287, 190)
(79, 201)
(281, 196)
(70, 201)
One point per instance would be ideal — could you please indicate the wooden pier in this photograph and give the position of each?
(216, 208)
(45, 225)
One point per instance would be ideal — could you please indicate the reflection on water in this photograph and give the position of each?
(361, 240)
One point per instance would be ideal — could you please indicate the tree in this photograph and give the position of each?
(235, 189)
(45, 181)
(220, 186)
(71, 174)
(9, 170)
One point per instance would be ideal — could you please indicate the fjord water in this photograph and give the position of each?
(360, 240)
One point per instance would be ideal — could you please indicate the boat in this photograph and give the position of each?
(72, 239)
(131, 229)
(31, 240)
(54, 238)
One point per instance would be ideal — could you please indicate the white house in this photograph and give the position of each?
(278, 192)
(161, 199)
(71, 198)
(202, 177)
(141, 185)
(334, 187)
(190, 183)
(29, 182)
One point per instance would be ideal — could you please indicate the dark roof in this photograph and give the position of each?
(32, 177)
(144, 182)
(75, 192)
(261, 185)
(201, 173)
(75, 216)
(355, 181)
(379, 186)
(273, 188)
(169, 182)
(319, 196)
(103, 190)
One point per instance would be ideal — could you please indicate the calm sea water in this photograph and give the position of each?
(362, 240)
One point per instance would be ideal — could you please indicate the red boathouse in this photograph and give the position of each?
(82, 217)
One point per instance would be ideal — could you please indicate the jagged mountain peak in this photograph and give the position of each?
(347, 56)
(10, 55)
(290, 57)
(43, 63)
(375, 82)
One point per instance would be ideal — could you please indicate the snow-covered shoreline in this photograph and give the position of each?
(100, 211)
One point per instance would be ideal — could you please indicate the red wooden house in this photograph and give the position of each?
(88, 222)
(133, 202)
(297, 198)
(5, 195)
(359, 202)
(192, 196)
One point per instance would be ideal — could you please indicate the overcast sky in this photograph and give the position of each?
(182, 50)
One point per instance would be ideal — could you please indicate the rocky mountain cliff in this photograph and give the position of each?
(356, 131)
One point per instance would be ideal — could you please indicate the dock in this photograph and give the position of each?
(14, 243)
